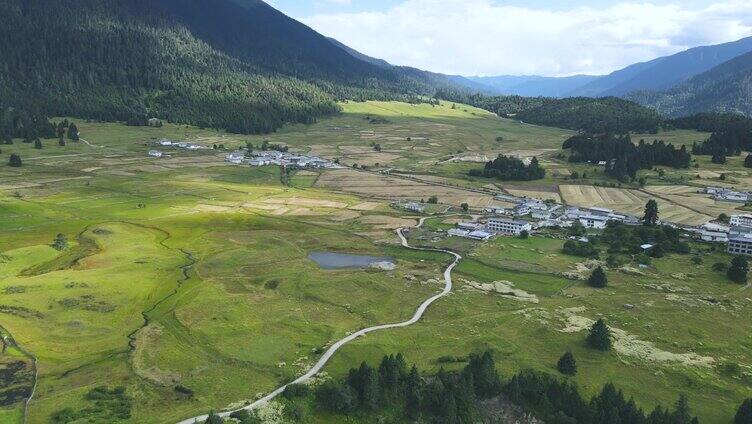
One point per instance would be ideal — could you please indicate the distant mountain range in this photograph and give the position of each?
(725, 88)
(660, 74)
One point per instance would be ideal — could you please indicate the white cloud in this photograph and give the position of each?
(480, 37)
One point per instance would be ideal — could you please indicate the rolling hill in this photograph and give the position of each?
(725, 88)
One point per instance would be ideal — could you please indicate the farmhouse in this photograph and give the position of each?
(508, 226)
(740, 241)
(235, 157)
(741, 220)
(712, 232)
(165, 142)
(155, 153)
(414, 207)
(475, 235)
(728, 195)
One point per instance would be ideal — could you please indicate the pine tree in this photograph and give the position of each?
(73, 132)
(600, 336)
(567, 364)
(598, 278)
(37, 144)
(748, 161)
(744, 414)
(682, 413)
(738, 270)
(651, 213)
(14, 161)
(413, 394)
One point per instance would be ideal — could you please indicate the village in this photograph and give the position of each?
(530, 215)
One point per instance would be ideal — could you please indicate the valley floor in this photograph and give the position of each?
(186, 280)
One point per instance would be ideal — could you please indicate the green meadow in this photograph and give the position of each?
(186, 281)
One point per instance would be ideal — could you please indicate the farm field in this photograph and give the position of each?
(186, 280)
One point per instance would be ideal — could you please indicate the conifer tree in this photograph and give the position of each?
(567, 364)
(598, 278)
(37, 144)
(748, 161)
(15, 161)
(600, 336)
(738, 270)
(413, 394)
(744, 413)
(651, 213)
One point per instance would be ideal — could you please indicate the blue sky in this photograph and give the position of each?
(498, 37)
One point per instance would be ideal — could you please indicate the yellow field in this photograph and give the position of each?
(633, 202)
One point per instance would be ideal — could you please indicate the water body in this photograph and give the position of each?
(328, 260)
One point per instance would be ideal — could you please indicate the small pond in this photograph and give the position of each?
(327, 260)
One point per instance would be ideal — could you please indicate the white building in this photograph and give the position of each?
(741, 221)
(155, 153)
(508, 226)
(713, 232)
(415, 207)
(740, 241)
(475, 235)
(165, 142)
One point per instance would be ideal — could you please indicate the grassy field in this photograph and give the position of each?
(186, 280)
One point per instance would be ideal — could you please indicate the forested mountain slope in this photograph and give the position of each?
(725, 88)
(665, 72)
(234, 64)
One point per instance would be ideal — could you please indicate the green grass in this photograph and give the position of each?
(215, 257)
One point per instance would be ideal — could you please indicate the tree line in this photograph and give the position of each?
(510, 168)
(591, 115)
(404, 394)
(622, 157)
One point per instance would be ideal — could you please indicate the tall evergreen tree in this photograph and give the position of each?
(739, 269)
(413, 394)
(651, 213)
(598, 278)
(748, 161)
(600, 336)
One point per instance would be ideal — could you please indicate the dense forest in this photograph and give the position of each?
(728, 139)
(510, 168)
(241, 66)
(622, 157)
(395, 392)
(710, 122)
(581, 113)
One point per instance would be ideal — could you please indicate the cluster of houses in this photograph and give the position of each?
(174, 144)
(737, 234)
(550, 214)
(273, 157)
(724, 194)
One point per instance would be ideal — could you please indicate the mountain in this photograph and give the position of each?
(358, 55)
(234, 64)
(533, 86)
(665, 72)
(725, 88)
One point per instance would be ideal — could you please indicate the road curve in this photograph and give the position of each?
(336, 346)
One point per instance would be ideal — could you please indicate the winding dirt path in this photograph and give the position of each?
(336, 346)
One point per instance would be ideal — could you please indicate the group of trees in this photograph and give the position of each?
(731, 134)
(622, 157)
(626, 239)
(447, 398)
(510, 168)
(26, 124)
(591, 115)
(453, 397)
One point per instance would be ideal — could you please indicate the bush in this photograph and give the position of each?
(14, 161)
(567, 365)
(296, 391)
